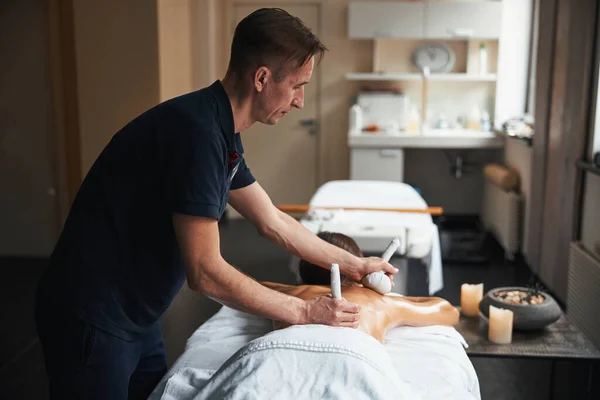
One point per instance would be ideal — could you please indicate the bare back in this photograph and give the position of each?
(381, 312)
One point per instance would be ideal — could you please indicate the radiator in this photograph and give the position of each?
(583, 292)
(501, 216)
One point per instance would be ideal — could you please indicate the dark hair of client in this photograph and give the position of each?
(312, 274)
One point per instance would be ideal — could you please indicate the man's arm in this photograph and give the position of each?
(209, 273)
(256, 206)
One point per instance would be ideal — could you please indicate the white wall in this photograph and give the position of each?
(596, 140)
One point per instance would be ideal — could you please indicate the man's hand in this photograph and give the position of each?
(368, 265)
(326, 310)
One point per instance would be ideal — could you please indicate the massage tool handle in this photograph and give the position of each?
(336, 282)
(379, 281)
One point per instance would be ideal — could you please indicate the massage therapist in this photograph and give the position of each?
(145, 220)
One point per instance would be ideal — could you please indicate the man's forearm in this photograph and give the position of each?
(228, 286)
(295, 238)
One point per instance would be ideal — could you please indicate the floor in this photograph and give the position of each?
(22, 374)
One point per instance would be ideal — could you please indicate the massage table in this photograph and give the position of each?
(429, 362)
(373, 230)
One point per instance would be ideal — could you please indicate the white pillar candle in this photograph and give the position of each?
(470, 296)
(500, 325)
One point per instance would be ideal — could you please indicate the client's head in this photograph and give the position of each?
(312, 274)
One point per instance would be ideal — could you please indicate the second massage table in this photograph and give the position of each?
(373, 230)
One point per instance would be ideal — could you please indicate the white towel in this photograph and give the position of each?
(430, 360)
(300, 362)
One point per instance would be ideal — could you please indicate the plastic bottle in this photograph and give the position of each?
(473, 122)
(442, 122)
(483, 60)
(413, 121)
(486, 124)
(356, 122)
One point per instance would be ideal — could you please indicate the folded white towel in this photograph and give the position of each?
(302, 362)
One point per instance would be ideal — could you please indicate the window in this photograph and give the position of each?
(530, 106)
(595, 140)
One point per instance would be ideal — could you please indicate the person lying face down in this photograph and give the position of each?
(378, 313)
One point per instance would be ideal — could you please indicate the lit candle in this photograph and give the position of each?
(470, 296)
(500, 325)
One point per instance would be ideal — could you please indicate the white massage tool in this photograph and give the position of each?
(379, 281)
(336, 282)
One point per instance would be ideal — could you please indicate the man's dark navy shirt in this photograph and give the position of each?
(117, 264)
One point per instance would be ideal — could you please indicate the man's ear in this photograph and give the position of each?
(261, 77)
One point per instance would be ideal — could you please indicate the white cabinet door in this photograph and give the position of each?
(470, 19)
(377, 164)
(369, 20)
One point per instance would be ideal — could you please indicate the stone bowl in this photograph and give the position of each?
(526, 316)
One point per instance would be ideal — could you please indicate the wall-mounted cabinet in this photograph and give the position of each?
(368, 20)
(464, 26)
(425, 20)
(447, 20)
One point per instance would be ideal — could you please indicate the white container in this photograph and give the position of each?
(486, 123)
(474, 119)
(356, 120)
(378, 107)
(483, 60)
(414, 122)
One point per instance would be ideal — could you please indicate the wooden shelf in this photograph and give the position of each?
(371, 76)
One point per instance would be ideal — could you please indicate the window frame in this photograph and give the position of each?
(593, 140)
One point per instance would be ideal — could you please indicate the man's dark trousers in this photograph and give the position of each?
(84, 362)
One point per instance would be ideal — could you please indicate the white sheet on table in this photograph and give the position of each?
(430, 359)
(434, 264)
(415, 229)
(375, 194)
(303, 362)
(432, 261)
(356, 193)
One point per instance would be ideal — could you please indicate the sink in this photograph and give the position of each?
(462, 133)
(436, 138)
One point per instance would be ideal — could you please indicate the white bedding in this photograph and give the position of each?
(427, 363)
(373, 230)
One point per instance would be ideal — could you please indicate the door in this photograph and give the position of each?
(447, 20)
(385, 19)
(28, 208)
(283, 157)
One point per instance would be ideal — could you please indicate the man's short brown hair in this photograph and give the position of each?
(273, 38)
